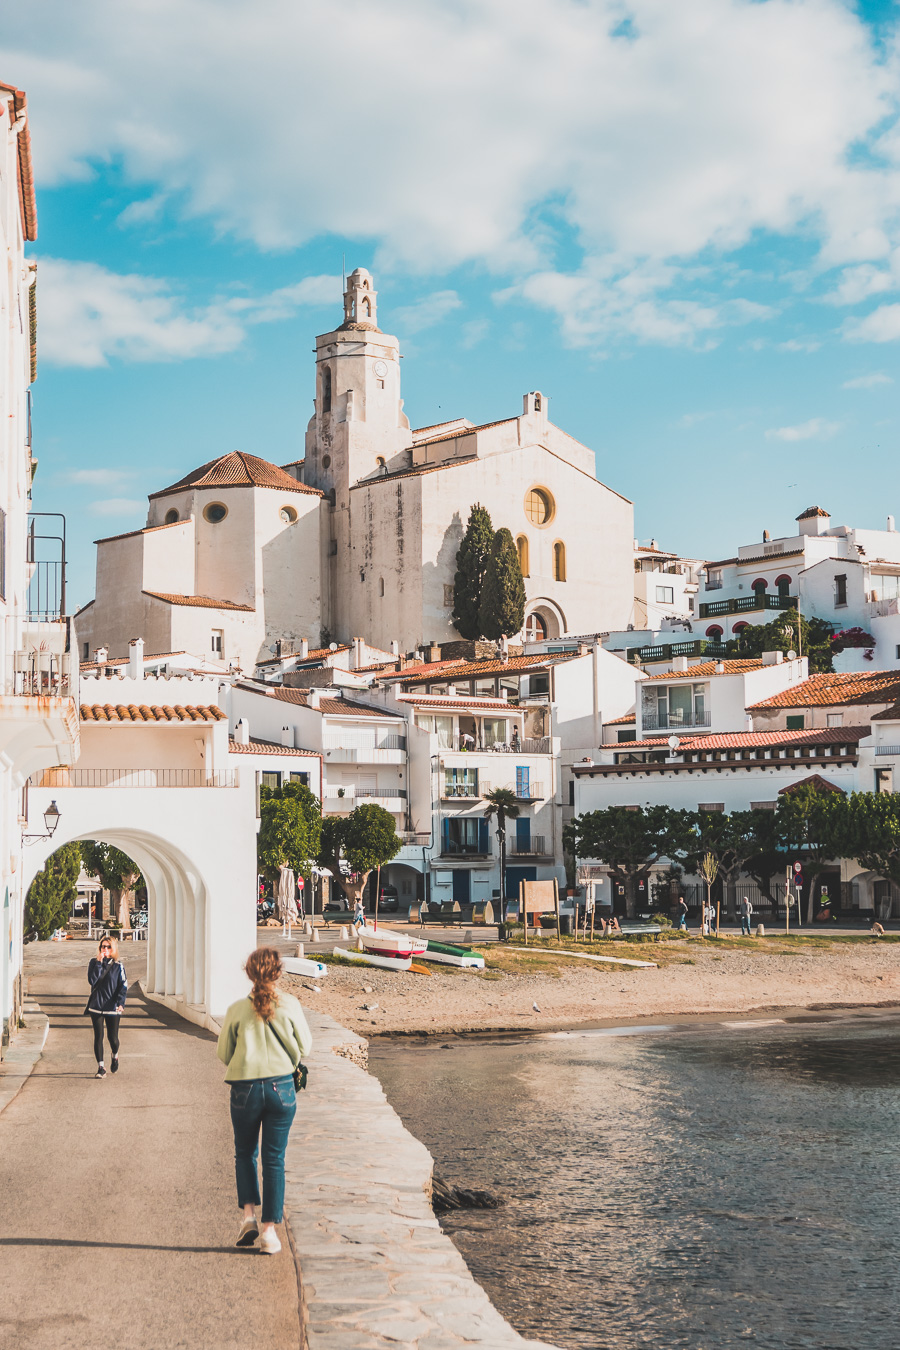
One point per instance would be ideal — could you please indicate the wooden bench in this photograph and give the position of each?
(639, 930)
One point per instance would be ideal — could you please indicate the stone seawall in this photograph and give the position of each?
(375, 1270)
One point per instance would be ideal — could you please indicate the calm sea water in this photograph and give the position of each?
(705, 1187)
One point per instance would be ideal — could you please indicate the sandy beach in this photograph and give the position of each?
(546, 990)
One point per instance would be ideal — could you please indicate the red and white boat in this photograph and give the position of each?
(385, 942)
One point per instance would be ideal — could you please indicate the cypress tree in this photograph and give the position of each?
(51, 894)
(502, 612)
(471, 561)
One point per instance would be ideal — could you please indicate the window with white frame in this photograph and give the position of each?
(665, 595)
(835, 719)
(217, 642)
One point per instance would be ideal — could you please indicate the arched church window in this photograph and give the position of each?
(535, 628)
(539, 506)
(326, 461)
(367, 307)
(559, 561)
(382, 464)
(522, 550)
(215, 512)
(171, 517)
(326, 389)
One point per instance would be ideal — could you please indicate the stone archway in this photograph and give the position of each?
(544, 621)
(201, 905)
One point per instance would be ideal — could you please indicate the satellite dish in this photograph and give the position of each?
(332, 646)
(673, 743)
(792, 655)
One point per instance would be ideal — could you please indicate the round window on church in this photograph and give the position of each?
(326, 461)
(171, 517)
(288, 515)
(539, 506)
(215, 512)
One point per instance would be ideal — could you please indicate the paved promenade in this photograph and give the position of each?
(118, 1209)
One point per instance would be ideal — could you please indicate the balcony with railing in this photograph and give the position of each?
(524, 745)
(535, 847)
(666, 651)
(364, 748)
(133, 778)
(655, 721)
(746, 604)
(349, 797)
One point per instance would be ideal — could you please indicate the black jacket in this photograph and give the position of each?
(109, 986)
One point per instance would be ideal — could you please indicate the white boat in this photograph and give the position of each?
(370, 959)
(385, 942)
(303, 965)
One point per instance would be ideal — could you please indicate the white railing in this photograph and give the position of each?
(351, 790)
(134, 778)
(536, 846)
(38, 674)
(351, 740)
(879, 609)
(540, 745)
(887, 749)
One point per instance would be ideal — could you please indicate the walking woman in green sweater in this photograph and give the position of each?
(263, 1039)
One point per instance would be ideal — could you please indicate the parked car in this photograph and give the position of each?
(388, 900)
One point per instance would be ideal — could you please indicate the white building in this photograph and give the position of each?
(38, 714)
(361, 537)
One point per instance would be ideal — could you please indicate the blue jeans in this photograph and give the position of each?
(745, 925)
(272, 1104)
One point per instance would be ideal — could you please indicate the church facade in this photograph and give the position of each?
(359, 539)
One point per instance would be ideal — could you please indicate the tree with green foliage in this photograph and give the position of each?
(116, 872)
(871, 832)
(631, 843)
(52, 893)
(810, 829)
(728, 839)
(502, 612)
(290, 830)
(366, 840)
(471, 562)
(808, 637)
(503, 804)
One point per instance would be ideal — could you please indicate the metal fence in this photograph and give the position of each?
(133, 778)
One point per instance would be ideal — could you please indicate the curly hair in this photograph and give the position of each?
(263, 969)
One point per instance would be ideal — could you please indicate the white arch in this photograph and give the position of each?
(553, 617)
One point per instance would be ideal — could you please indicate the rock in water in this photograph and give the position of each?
(446, 1198)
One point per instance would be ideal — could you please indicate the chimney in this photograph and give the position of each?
(433, 652)
(287, 737)
(679, 663)
(136, 659)
(890, 524)
(451, 691)
(395, 647)
(313, 698)
(356, 654)
(772, 658)
(720, 667)
(101, 655)
(304, 648)
(242, 732)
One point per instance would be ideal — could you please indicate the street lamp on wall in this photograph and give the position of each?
(51, 820)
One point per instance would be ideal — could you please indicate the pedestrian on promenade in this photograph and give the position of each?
(263, 1039)
(359, 914)
(109, 988)
(746, 911)
(682, 913)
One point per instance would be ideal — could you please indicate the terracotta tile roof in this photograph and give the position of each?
(744, 740)
(821, 691)
(413, 473)
(27, 205)
(132, 534)
(238, 470)
(83, 608)
(891, 714)
(474, 669)
(722, 562)
(812, 511)
(292, 464)
(343, 707)
(463, 431)
(198, 601)
(133, 712)
(316, 655)
(423, 668)
(815, 780)
(706, 669)
(435, 426)
(628, 719)
(123, 660)
(257, 747)
(378, 665)
(446, 701)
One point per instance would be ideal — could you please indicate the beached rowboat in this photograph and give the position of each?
(369, 959)
(385, 942)
(303, 965)
(448, 955)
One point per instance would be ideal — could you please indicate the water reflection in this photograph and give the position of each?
(702, 1189)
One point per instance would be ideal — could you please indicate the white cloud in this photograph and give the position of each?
(805, 345)
(872, 381)
(816, 429)
(425, 313)
(97, 477)
(117, 506)
(688, 420)
(90, 314)
(694, 129)
(882, 325)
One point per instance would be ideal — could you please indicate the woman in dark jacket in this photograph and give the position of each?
(109, 988)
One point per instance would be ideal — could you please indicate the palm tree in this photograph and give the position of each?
(502, 803)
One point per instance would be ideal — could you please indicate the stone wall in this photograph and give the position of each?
(376, 1272)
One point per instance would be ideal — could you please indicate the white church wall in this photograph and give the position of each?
(226, 551)
(169, 559)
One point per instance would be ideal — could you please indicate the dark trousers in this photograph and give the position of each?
(112, 1031)
(269, 1104)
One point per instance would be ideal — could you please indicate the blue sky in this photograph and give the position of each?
(681, 222)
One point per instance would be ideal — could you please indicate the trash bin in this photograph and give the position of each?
(760, 930)
(565, 925)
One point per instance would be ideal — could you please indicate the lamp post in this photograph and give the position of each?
(51, 820)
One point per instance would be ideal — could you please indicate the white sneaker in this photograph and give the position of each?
(269, 1243)
(248, 1234)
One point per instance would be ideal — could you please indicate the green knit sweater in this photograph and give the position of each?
(250, 1048)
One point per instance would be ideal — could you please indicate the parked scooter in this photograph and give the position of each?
(265, 909)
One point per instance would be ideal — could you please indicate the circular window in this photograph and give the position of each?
(171, 517)
(288, 515)
(215, 512)
(539, 506)
(326, 461)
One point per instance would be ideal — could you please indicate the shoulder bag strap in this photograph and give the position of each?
(274, 1032)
